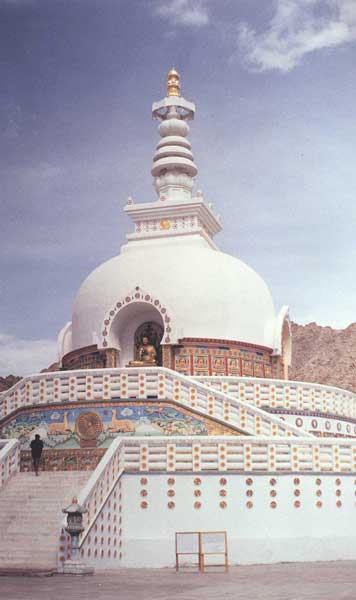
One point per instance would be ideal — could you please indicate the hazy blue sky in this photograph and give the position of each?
(274, 139)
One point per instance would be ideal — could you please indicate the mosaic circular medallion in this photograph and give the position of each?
(88, 425)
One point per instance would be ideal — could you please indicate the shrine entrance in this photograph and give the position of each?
(137, 328)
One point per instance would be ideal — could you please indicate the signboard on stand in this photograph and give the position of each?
(201, 549)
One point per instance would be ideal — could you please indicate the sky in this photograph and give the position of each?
(274, 140)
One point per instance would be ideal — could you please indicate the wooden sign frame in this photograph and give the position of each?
(179, 553)
(200, 552)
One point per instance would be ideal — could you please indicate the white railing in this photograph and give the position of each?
(9, 459)
(276, 393)
(142, 384)
(319, 424)
(214, 454)
(226, 453)
(99, 487)
(65, 386)
(95, 494)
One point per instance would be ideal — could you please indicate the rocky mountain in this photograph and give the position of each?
(324, 355)
(8, 382)
(53, 367)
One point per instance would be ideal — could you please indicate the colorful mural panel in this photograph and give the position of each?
(247, 367)
(268, 371)
(95, 425)
(234, 366)
(211, 359)
(258, 369)
(182, 364)
(64, 460)
(218, 365)
(201, 362)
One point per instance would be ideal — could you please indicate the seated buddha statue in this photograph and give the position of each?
(146, 355)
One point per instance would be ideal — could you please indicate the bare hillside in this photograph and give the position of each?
(324, 355)
(8, 382)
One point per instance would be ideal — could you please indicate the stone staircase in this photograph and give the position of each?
(31, 515)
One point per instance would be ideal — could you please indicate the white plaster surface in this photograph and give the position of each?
(207, 293)
(257, 535)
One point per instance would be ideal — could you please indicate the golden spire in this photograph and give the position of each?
(173, 83)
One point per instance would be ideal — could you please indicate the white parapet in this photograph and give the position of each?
(140, 384)
(277, 499)
(9, 459)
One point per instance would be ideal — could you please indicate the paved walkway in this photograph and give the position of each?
(289, 581)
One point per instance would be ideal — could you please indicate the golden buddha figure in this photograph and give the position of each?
(146, 354)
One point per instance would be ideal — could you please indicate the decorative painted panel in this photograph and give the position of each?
(93, 425)
(218, 364)
(247, 367)
(208, 357)
(182, 363)
(201, 364)
(90, 357)
(64, 460)
(233, 366)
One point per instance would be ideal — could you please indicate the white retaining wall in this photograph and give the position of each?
(323, 527)
(278, 500)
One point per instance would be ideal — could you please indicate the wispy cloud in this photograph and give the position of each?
(297, 28)
(189, 13)
(24, 357)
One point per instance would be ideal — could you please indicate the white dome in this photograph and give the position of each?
(206, 293)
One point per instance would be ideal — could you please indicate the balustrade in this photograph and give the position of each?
(145, 383)
(9, 459)
(291, 395)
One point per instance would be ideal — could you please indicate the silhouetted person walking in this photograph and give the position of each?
(36, 451)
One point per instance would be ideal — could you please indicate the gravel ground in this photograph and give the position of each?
(284, 581)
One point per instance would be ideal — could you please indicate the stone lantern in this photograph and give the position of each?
(75, 527)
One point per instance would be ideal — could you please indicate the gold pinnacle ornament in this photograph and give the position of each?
(173, 83)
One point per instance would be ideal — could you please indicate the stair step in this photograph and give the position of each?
(31, 512)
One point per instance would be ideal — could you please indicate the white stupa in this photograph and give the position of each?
(171, 274)
(160, 394)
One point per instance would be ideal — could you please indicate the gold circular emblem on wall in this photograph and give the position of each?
(88, 425)
(165, 224)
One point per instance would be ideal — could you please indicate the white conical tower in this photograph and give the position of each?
(175, 214)
(173, 163)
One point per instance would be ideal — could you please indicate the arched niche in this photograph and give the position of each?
(127, 324)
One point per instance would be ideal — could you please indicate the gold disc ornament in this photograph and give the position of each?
(165, 224)
(88, 425)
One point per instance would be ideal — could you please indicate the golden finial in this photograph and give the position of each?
(173, 83)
